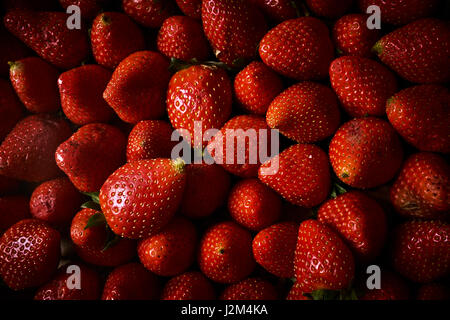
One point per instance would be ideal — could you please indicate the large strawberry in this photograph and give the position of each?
(11, 110)
(279, 10)
(329, 8)
(149, 13)
(191, 8)
(12, 210)
(250, 289)
(392, 287)
(188, 286)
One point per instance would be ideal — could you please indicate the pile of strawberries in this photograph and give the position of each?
(89, 189)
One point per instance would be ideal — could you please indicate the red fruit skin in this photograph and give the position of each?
(47, 34)
(157, 185)
(81, 91)
(12, 210)
(250, 289)
(188, 286)
(89, 8)
(296, 293)
(279, 10)
(91, 154)
(131, 282)
(300, 49)
(171, 251)
(28, 152)
(29, 254)
(233, 28)
(421, 115)
(200, 201)
(256, 86)
(322, 260)
(114, 36)
(57, 289)
(11, 110)
(422, 188)
(148, 13)
(182, 37)
(191, 8)
(94, 236)
(433, 291)
(274, 248)
(421, 250)
(225, 253)
(305, 112)
(329, 8)
(302, 176)
(418, 52)
(362, 85)
(254, 205)
(138, 85)
(365, 152)
(393, 287)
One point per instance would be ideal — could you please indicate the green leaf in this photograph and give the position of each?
(91, 205)
(112, 240)
(324, 294)
(95, 220)
(93, 195)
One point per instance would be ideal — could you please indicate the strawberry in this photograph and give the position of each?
(300, 174)
(199, 93)
(150, 139)
(329, 8)
(29, 254)
(12, 210)
(322, 260)
(91, 154)
(34, 81)
(114, 36)
(362, 85)
(298, 48)
(422, 187)
(149, 13)
(225, 254)
(9, 186)
(89, 8)
(392, 287)
(365, 152)
(418, 52)
(352, 37)
(199, 200)
(234, 29)
(47, 34)
(28, 152)
(157, 185)
(421, 115)
(81, 91)
(433, 291)
(137, 88)
(274, 248)
(421, 250)
(296, 293)
(172, 250)
(254, 205)
(279, 10)
(131, 282)
(12, 50)
(11, 110)
(250, 289)
(305, 112)
(183, 38)
(191, 8)
(93, 236)
(188, 286)
(359, 220)
(256, 86)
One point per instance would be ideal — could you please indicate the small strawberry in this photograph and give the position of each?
(188, 286)
(329, 8)
(250, 289)
(433, 291)
(392, 287)
(191, 8)
(296, 293)
(12, 210)
(11, 110)
(12, 50)
(149, 13)
(279, 10)
(85, 234)
(89, 8)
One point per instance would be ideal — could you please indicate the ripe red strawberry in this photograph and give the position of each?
(91, 154)
(182, 37)
(300, 174)
(29, 254)
(418, 52)
(149, 13)
(422, 188)
(81, 91)
(137, 88)
(421, 115)
(47, 34)
(305, 112)
(256, 86)
(131, 282)
(199, 200)
(191, 8)
(279, 10)
(296, 293)
(89, 8)
(225, 254)
(322, 260)
(274, 248)
(150, 139)
(172, 250)
(140, 198)
(28, 152)
(393, 287)
(94, 236)
(188, 286)
(12, 50)
(421, 250)
(234, 29)
(359, 220)
(433, 291)
(362, 85)
(329, 8)
(114, 36)
(12, 210)
(250, 289)
(199, 93)
(352, 36)
(56, 202)
(57, 288)
(11, 110)
(298, 48)
(365, 152)
(254, 205)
